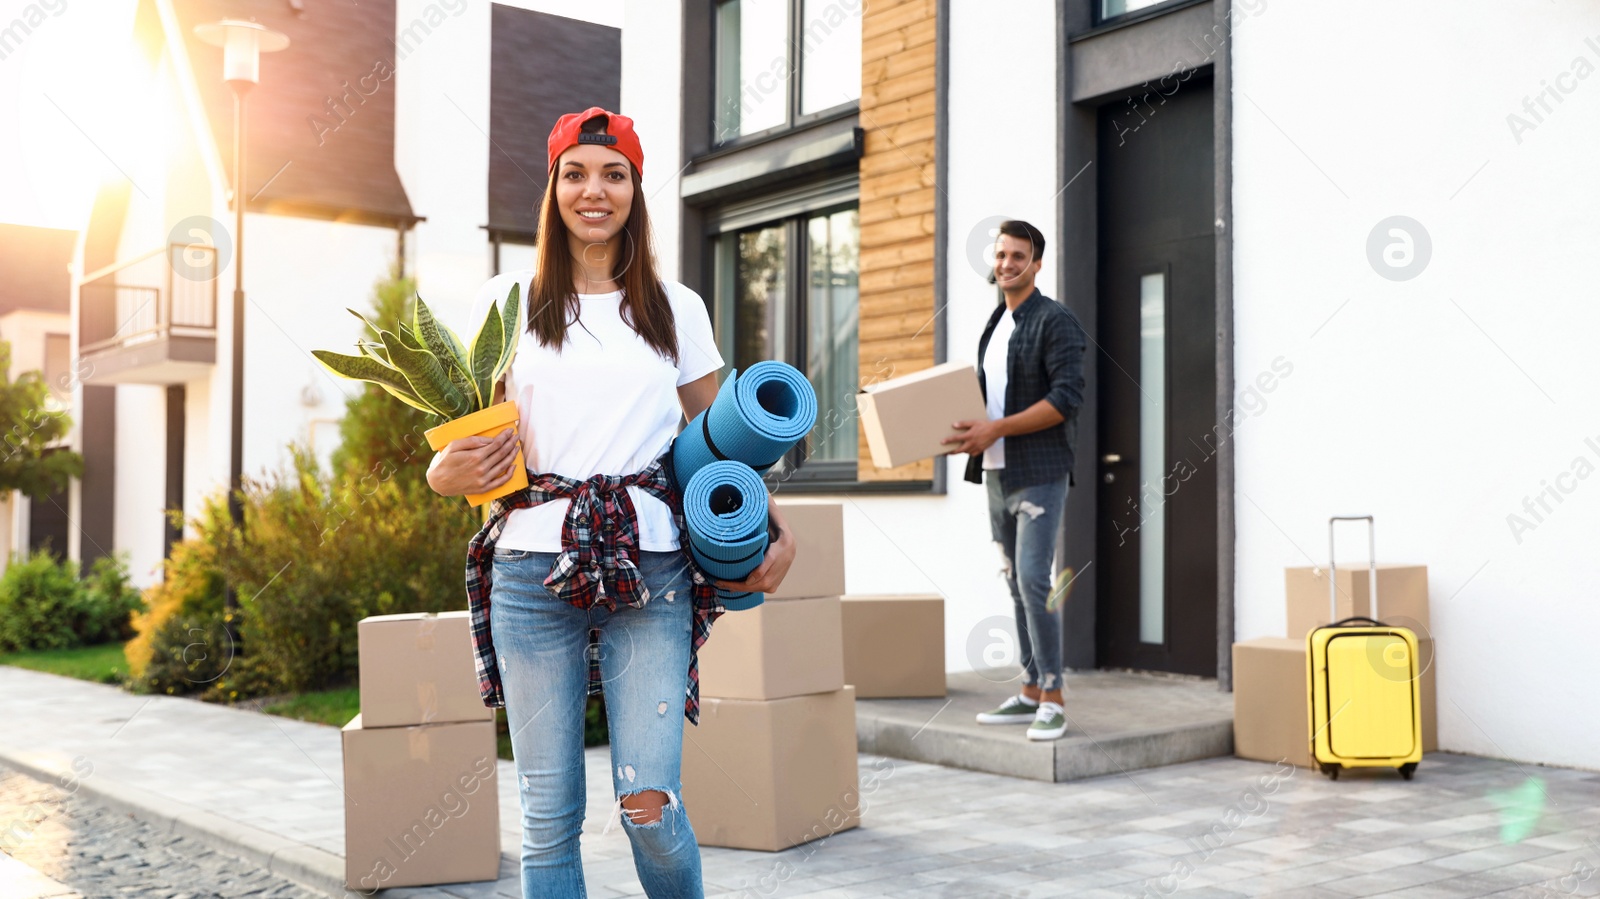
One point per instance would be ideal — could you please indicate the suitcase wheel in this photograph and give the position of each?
(1331, 770)
(1408, 769)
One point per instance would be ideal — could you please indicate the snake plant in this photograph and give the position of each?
(424, 364)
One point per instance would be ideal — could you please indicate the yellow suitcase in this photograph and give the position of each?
(1366, 703)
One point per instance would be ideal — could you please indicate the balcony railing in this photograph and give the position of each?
(156, 312)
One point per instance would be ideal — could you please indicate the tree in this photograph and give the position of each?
(379, 436)
(29, 460)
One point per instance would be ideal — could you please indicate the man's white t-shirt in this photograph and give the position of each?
(604, 403)
(994, 382)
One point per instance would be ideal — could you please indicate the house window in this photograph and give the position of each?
(782, 62)
(1110, 9)
(787, 290)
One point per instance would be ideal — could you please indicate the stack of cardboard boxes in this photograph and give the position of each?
(894, 646)
(1270, 693)
(422, 801)
(773, 762)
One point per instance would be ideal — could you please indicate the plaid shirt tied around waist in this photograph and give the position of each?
(597, 565)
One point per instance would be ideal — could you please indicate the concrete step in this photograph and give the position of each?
(1116, 722)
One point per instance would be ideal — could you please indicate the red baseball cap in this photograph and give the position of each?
(618, 134)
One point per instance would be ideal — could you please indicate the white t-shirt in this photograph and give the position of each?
(605, 403)
(994, 382)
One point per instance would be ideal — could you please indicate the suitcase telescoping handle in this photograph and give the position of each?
(1372, 562)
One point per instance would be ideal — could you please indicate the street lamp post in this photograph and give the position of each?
(242, 44)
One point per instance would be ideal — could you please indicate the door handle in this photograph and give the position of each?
(1111, 458)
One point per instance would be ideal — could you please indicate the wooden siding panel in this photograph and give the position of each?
(894, 301)
(899, 324)
(896, 255)
(898, 194)
(902, 134)
(892, 183)
(884, 209)
(891, 89)
(907, 38)
(919, 275)
(883, 16)
(906, 227)
(896, 157)
(905, 62)
(886, 114)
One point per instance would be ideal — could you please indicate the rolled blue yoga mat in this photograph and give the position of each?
(725, 510)
(759, 414)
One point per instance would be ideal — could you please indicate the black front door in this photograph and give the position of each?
(1157, 534)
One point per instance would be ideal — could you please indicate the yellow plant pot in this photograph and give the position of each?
(483, 423)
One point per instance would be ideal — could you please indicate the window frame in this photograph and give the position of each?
(795, 471)
(1099, 18)
(794, 119)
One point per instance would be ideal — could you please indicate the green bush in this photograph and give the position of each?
(192, 589)
(319, 551)
(39, 601)
(109, 602)
(43, 605)
(189, 652)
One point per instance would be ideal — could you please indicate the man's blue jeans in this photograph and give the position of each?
(542, 646)
(1024, 523)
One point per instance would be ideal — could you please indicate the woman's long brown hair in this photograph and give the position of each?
(553, 304)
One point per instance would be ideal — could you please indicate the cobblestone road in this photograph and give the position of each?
(97, 852)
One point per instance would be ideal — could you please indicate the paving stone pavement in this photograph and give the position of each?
(1221, 827)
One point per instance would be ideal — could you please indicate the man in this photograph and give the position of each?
(1030, 369)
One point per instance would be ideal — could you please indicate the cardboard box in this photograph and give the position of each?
(771, 774)
(1270, 718)
(1402, 596)
(905, 418)
(417, 668)
(422, 804)
(894, 646)
(818, 568)
(775, 650)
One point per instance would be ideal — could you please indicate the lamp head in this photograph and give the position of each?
(242, 44)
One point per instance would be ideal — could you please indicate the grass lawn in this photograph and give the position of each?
(103, 664)
(335, 707)
(106, 664)
(338, 706)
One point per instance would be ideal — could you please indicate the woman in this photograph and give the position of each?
(612, 361)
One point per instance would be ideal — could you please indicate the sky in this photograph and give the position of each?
(75, 105)
(69, 106)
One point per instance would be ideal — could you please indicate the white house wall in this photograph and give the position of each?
(652, 44)
(1443, 403)
(442, 144)
(300, 276)
(202, 446)
(141, 454)
(1003, 72)
(910, 544)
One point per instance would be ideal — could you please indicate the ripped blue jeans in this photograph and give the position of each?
(542, 643)
(1025, 523)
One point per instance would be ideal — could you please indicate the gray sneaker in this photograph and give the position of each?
(1016, 710)
(1049, 723)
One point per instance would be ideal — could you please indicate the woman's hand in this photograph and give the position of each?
(774, 566)
(474, 464)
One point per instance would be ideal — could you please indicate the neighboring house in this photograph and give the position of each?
(1215, 181)
(34, 298)
(369, 141)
